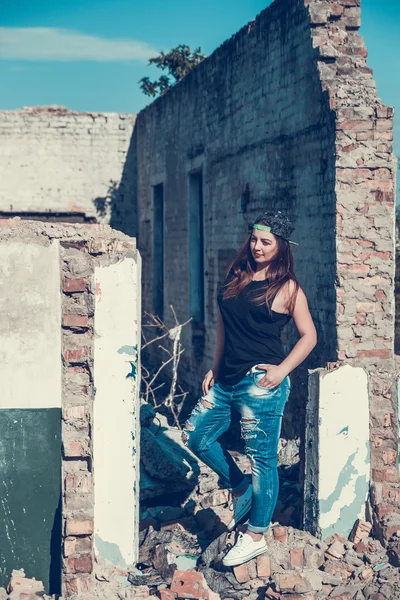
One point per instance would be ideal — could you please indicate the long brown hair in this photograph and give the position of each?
(280, 271)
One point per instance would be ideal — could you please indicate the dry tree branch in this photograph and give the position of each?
(149, 378)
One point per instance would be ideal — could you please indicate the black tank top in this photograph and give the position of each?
(252, 335)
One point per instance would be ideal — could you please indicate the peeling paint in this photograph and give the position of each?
(344, 431)
(130, 350)
(110, 551)
(132, 374)
(347, 513)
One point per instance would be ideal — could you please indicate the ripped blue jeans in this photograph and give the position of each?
(261, 413)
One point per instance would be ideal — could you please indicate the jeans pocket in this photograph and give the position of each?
(257, 376)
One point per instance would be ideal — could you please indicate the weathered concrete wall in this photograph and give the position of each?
(64, 265)
(253, 116)
(30, 369)
(53, 160)
(286, 115)
(30, 410)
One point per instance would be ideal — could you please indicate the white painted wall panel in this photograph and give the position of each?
(342, 445)
(30, 326)
(116, 410)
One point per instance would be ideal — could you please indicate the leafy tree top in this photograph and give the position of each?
(177, 62)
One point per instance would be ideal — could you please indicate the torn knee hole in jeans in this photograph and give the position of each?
(202, 405)
(249, 428)
(206, 403)
(188, 427)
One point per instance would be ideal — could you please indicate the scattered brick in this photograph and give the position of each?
(288, 581)
(297, 557)
(280, 534)
(367, 573)
(360, 547)
(263, 566)
(361, 530)
(189, 584)
(270, 594)
(336, 549)
(241, 573)
(23, 585)
(166, 595)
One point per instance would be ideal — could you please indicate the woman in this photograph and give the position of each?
(250, 372)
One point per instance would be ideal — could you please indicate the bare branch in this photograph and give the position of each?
(173, 401)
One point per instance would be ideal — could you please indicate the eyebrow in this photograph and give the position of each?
(262, 239)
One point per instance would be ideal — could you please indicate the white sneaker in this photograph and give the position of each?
(245, 549)
(240, 505)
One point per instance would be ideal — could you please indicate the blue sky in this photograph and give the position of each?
(84, 34)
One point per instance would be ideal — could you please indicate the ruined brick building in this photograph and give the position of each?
(284, 115)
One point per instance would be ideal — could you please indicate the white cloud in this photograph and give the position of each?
(46, 43)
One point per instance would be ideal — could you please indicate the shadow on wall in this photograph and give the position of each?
(120, 203)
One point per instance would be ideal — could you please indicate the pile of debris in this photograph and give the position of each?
(183, 539)
(21, 587)
(182, 544)
(179, 560)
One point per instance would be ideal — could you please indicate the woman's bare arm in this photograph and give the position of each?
(308, 339)
(307, 332)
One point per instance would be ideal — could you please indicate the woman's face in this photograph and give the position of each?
(263, 246)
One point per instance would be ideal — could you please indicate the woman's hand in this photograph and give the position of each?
(275, 374)
(208, 381)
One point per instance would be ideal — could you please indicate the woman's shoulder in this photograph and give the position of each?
(288, 293)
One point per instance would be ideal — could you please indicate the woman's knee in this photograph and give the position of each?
(191, 438)
(192, 432)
